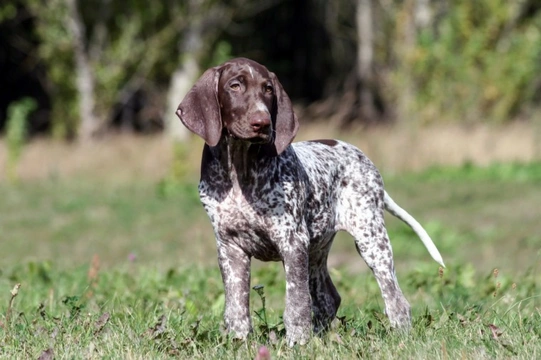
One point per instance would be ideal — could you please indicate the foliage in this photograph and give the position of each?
(221, 53)
(176, 182)
(117, 46)
(16, 132)
(478, 63)
(7, 12)
(472, 62)
(56, 51)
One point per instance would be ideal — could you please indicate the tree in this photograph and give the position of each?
(190, 49)
(84, 79)
(97, 55)
(365, 59)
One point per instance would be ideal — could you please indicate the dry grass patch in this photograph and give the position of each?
(121, 158)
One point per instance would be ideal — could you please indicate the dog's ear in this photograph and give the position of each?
(286, 123)
(200, 111)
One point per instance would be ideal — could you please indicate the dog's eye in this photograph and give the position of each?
(269, 89)
(235, 86)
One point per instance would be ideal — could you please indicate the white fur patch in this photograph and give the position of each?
(261, 107)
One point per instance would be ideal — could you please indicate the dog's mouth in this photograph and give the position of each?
(260, 136)
(258, 139)
(266, 139)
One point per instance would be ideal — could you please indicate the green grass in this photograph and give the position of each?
(139, 312)
(124, 271)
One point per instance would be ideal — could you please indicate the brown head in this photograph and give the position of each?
(241, 99)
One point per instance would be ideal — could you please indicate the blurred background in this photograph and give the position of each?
(443, 95)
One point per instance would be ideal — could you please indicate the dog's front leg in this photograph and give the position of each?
(235, 268)
(298, 312)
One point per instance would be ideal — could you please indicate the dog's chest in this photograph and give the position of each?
(251, 206)
(256, 217)
(240, 211)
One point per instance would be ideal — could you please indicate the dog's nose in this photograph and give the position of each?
(260, 122)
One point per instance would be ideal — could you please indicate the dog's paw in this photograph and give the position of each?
(297, 335)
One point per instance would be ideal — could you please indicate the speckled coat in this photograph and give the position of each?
(274, 201)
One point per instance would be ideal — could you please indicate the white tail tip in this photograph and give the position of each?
(403, 215)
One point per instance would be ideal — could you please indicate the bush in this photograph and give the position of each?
(16, 133)
(476, 64)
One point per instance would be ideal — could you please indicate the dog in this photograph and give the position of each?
(276, 201)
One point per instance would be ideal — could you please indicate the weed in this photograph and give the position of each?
(16, 133)
(14, 293)
(267, 331)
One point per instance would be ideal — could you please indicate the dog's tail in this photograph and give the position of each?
(403, 215)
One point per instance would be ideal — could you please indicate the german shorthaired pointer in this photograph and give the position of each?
(279, 202)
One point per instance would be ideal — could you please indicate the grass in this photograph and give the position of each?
(139, 312)
(123, 270)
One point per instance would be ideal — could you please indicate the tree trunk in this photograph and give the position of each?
(84, 79)
(365, 59)
(423, 13)
(185, 75)
(413, 14)
(181, 82)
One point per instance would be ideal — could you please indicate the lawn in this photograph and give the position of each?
(128, 270)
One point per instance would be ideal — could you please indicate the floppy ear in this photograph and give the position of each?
(199, 111)
(286, 124)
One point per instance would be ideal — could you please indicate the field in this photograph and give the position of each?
(121, 264)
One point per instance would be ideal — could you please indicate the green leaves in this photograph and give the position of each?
(476, 64)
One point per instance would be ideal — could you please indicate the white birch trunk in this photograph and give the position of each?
(84, 79)
(181, 82)
(423, 13)
(186, 74)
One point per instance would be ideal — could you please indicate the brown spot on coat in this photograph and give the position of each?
(328, 142)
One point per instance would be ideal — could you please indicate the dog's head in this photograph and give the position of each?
(241, 99)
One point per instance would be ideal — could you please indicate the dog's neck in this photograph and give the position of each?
(237, 159)
(240, 159)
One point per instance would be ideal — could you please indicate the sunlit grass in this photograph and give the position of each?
(140, 312)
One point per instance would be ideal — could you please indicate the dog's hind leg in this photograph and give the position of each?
(325, 297)
(367, 225)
